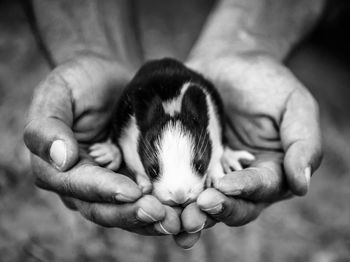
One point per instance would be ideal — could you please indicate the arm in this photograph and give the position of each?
(71, 28)
(270, 27)
(250, 39)
(269, 112)
(71, 109)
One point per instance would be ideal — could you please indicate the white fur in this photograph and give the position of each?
(178, 180)
(215, 133)
(128, 142)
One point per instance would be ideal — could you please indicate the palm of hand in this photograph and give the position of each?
(263, 100)
(95, 86)
(71, 109)
(272, 115)
(268, 112)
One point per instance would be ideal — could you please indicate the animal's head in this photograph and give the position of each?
(174, 145)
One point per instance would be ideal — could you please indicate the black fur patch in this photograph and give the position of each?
(194, 106)
(160, 81)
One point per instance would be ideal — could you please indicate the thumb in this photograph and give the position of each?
(53, 141)
(48, 133)
(301, 138)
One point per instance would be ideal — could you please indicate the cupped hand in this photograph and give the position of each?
(71, 110)
(271, 114)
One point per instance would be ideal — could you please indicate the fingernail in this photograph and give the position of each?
(307, 174)
(161, 229)
(232, 190)
(123, 198)
(58, 154)
(144, 216)
(197, 229)
(214, 210)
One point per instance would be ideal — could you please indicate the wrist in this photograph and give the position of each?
(245, 44)
(106, 28)
(213, 67)
(251, 26)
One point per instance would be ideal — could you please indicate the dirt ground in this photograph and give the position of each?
(35, 226)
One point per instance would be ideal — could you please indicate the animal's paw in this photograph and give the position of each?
(144, 183)
(213, 178)
(231, 159)
(106, 154)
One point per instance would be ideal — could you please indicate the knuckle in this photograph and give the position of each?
(66, 186)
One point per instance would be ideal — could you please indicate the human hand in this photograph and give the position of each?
(71, 110)
(271, 114)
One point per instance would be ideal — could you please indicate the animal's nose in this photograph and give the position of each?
(179, 196)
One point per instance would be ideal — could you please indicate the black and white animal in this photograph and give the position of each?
(168, 128)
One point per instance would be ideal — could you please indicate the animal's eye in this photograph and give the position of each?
(199, 166)
(153, 171)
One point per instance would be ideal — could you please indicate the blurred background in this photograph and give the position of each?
(35, 226)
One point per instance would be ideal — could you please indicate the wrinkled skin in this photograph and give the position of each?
(269, 113)
(74, 104)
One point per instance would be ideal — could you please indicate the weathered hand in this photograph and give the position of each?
(271, 114)
(70, 111)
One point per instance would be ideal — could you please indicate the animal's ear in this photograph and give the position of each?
(148, 111)
(194, 105)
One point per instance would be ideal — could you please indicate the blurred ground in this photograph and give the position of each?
(35, 226)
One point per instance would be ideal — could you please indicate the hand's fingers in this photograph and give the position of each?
(170, 224)
(264, 182)
(146, 211)
(231, 211)
(48, 131)
(301, 139)
(147, 230)
(187, 240)
(193, 219)
(86, 182)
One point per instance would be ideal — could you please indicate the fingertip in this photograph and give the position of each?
(186, 240)
(307, 174)
(53, 141)
(170, 224)
(298, 170)
(93, 183)
(233, 183)
(130, 197)
(193, 219)
(152, 207)
(302, 140)
(58, 154)
(64, 153)
(301, 183)
(210, 200)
